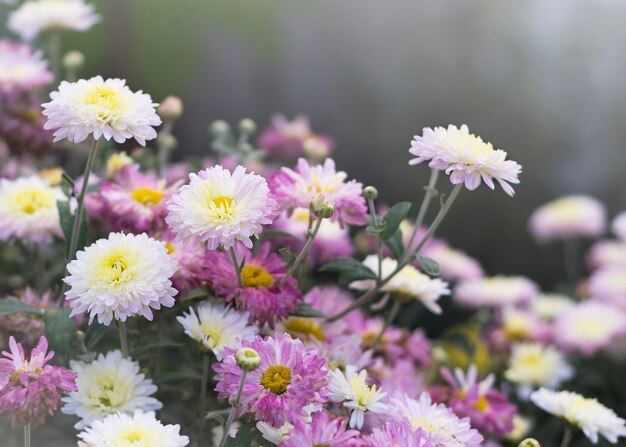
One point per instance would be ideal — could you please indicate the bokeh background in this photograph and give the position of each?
(542, 79)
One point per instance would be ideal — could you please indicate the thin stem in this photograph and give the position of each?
(303, 252)
(233, 256)
(430, 193)
(567, 436)
(203, 389)
(570, 252)
(393, 313)
(27, 435)
(379, 243)
(233, 410)
(123, 338)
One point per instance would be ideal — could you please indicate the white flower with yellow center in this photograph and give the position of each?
(217, 327)
(219, 208)
(28, 210)
(274, 435)
(119, 277)
(139, 430)
(569, 216)
(102, 108)
(496, 291)
(589, 415)
(549, 306)
(37, 16)
(535, 365)
(408, 282)
(352, 389)
(110, 384)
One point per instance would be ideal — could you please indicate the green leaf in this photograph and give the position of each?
(67, 185)
(197, 293)
(245, 435)
(429, 266)
(378, 229)
(67, 223)
(60, 329)
(95, 332)
(395, 244)
(349, 270)
(287, 255)
(305, 310)
(393, 218)
(10, 305)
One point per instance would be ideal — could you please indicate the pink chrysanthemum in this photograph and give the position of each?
(287, 379)
(323, 430)
(21, 127)
(496, 291)
(609, 285)
(455, 264)
(30, 390)
(260, 295)
(21, 67)
(399, 434)
(606, 253)
(291, 139)
(297, 188)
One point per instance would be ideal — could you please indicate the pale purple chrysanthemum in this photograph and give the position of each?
(30, 390)
(261, 274)
(609, 285)
(568, 217)
(466, 157)
(291, 139)
(455, 265)
(21, 67)
(21, 125)
(518, 324)
(418, 347)
(219, 208)
(288, 379)
(497, 291)
(399, 434)
(297, 188)
(618, 226)
(323, 430)
(399, 377)
(606, 253)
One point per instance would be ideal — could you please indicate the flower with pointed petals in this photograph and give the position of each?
(533, 364)
(21, 67)
(399, 434)
(496, 291)
(323, 430)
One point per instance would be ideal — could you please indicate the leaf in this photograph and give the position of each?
(393, 218)
(396, 244)
(95, 332)
(378, 229)
(245, 435)
(349, 269)
(67, 224)
(60, 329)
(306, 310)
(198, 292)
(87, 357)
(287, 255)
(67, 185)
(429, 266)
(10, 305)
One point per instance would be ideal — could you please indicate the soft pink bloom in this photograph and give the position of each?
(496, 291)
(418, 347)
(22, 68)
(618, 226)
(30, 390)
(291, 139)
(323, 430)
(455, 265)
(399, 434)
(400, 378)
(609, 285)
(606, 253)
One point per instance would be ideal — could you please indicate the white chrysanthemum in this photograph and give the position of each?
(466, 157)
(217, 327)
(121, 276)
(100, 108)
(618, 226)
(352, 389)
(533, 364)
(274, 435)
(496, 291)
(549, 306)
(589, 415)
(37, 16)
(21, 67)
(218, 207)
(28, 210)
(110, 384)
(139, 430)
(408, 282)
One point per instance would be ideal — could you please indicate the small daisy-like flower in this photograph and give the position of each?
(521, 324)
(108, 385)
(217, 327)
(589, 415)
(351, 388)
(408, 282)
(323, 430)
(466, 157)
(399, 434)
(550, 305)
(607, 253)
(297, 188)
(21, 67)
(139, 430)
(275, 435)
(497, 291)
(119, 277)
(567, 217)
(28, 210)
(287, 380)
(293, 139)
(455, 265)
(101, 108)
(609, 285)
(618, 226)
(30, 389)
(219, 208)
(37, 16)
(536, 365)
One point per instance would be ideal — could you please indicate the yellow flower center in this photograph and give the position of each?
(169, 247)
(114, 267)
(306, 327)
(30, 201)
(213, 332)
(481, 404)
(132, 436)
(276, 378)
(516, 327)
(53, 175)
(108, 390)
(105, 99)
(146, 195)
(255, 276)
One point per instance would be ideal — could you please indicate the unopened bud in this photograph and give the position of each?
(167, 140)
(370, 193)
(171, 108)
(246, 148)
(80, 336)
(247, 126)
(73, 60)
(325, 211)
(529, 442)
(247, 359)
(316, 202)
(219, 128)
(316, 148)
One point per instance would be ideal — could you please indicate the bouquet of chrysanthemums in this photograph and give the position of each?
(261, 296)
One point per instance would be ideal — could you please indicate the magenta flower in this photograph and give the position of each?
(399, 433)
(287, 379)
(30, 390)
(291, 139)
(323, 430)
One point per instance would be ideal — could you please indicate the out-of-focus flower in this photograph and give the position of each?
(399, 377)
(351, 388)
(101, 108)
(108, 385)
(497, 291)
(522, 324)
(291, 139)
(21, 67)
(609, 285)
(119, 277)
(29, 327)
(170, 109)
(521, 428)
(549, 305)
(400, 434)
(30, 389)
(466, 157)
(219, 208)
(275, 435)
(606, 253)
(323, 430)
(139, 429)
(536, 365)
(22, 126)
(589, 415)
(618, 226)
(298, 188)
(117, 162)
(34, 17)
(455, 265)
(28, 210)
(73, 60)
(288, 379)
(568, 217)
(217, 327)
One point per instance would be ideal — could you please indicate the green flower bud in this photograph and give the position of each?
(219, 127)
(529, 442)
(370, 193)
(325, 211)
(247, 126)
(247, 359)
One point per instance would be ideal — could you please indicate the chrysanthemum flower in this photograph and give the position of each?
(408, 282)
(219, 208)
(274, 435)
(606, 253)
(618, 226)
(101, 108)
(497, 291)
(455, 264)
(116, 162)
(536, 365)
(521, 324)
(37, 16)
(400, 434)
(119, 277)
(609, 285)
(351, 388)
(30, 390)
(550, 305)
(140, 430)
(323, 430)
(108, 385)
(217, 327)
(466, 157)
(297, 188)
(589, 415)
(293, 139)
(21, 67)
(260, 295)
(28, 210)
(287, 380)
(567, 217)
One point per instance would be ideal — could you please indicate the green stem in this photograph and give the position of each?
(203, 390)
(393, 312)
(303, 252)
(233, 256)
(233, 410)
(379, 243)
(430, 193)
(567, 436)
(27, 435)
(123, 339)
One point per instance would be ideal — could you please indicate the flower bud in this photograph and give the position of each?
(73, 60)
(315, 148)
(247, 126)
(167, 140)
(247, 359)
(246, 148)
(170, 109)
(219, 128)
(370, 193)
(325, 211)
(529, 442)
(317, 202)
